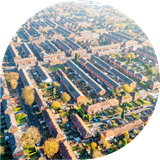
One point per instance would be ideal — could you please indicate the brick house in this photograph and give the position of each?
(81, 126)
(88, 80)
(54, 128)
(140, 94)
(117, 131)
(71, 88)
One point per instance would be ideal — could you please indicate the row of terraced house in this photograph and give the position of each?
(13, 134)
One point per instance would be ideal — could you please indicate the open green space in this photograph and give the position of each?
(53, 69)
(18, 108)
(21, 118)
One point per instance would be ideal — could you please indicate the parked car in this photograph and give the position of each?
(94, 119)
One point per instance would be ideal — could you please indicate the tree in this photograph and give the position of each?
(65, 97)
(50, 147)
(33, 135)
(55, 104)
(122, 25)
(146, 66)
(45, 86)
(126, 88)
(128, 20)
(76, 56)
(118, 110)
(93, 145)
(127, 56)
(132, 55)
(28, 95)
(124, 142)
(66, 68)
(13, 83)
(71, 15)
(123, 115)
(113, 22)
(129, 60)
(42, 158)
(13, 75)
(88, 117)
(104, 141)
(150, 71)
(57, 85)
(96, 154)
(112, 93)
(126, 135)
(2, 150)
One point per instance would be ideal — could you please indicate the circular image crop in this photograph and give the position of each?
(79, 80)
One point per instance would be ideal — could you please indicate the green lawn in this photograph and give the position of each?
(21, 118)
(53, 69)
(75, 148)
(2, 140)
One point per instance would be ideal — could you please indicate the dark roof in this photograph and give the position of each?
(43, 24)
(72, 43)
(51, 45)
(102, 75)
(4, 92)
(50, 23)
(83, 60)
(25, 32)
(63, 44)
(26, 49)
(124, 66)
(151, 54)
(112, 37)
(121, 36)
(35, 24)
(35, 32)
(13, 51)
(139, 75)
(63, 29)
(66, 151)
(11, 121)
(82, 128)
(119, 63)
(38, 48)
(15, 143)
(88, 79)
(7, 105)
(113, 59)
(71, 86)
(24, 76)
(132, 71)
(113, 70)
(125, 34)
(44, 75)
(51, 31)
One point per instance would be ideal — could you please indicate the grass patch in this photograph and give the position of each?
(53, 69)
(75, 148)
(2, 140)
(21, 118)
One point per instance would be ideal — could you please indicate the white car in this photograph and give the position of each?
(42, 122)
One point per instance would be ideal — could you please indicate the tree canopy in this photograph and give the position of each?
(123, 115)
(76, 56)
(126, 88)
(94, 145)
(57, 85)
(50, 147)
(55, 104)
(28, 95)
(13, 83)
(65, 97)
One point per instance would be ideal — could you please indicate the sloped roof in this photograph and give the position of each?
(83, 129)
(90, 81)
(7, 105)
(66, 151)
(15, 143)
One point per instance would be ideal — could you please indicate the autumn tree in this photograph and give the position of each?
(57, 85)
(42, 158)
(45, 86)
(65, 97)
(127, 56)
(129, 60)
(55, 104)
(112, 93)
(104, 141)
(66, 68)
(96, 154)
(12, 75)
(128, 20)
(122, 25)
(2, 150)
(33, 135)
(150, 71)
(88, 117)
(50, 147)
(13, 83)
(126, 88)
(118, 110)
(126, 135)
(28, 95)
(132, 55)
(93, 145)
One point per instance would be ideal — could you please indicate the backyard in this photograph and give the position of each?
(53, 69)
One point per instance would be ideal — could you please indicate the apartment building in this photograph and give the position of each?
(71, 88)
(88, 80)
